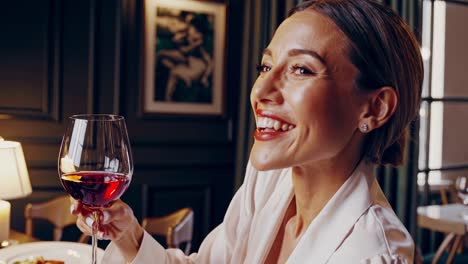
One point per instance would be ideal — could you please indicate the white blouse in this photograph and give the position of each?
(357, 225)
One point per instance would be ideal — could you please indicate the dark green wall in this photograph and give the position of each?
(62, 57)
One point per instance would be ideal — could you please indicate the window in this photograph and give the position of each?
(443, 148)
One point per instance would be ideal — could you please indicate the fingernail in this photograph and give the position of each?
(105, 217)
(89, 221)
(72, 208)
(100, 235)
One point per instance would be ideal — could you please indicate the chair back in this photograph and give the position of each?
(449, 195)
(177, 228)
(56, 211)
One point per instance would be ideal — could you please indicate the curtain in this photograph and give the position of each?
(260, 20)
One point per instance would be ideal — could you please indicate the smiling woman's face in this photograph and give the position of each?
(306, 103)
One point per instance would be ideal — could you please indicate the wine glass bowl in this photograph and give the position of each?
(95, 162)
(93, 188)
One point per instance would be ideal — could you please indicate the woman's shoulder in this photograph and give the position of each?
(380, 235)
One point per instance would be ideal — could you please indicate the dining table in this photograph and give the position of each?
(17, 237)
(18, 247)
(451, 219)
(21, 237)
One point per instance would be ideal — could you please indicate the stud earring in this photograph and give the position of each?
(364, 128)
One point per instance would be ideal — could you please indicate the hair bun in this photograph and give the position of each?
(394, 154)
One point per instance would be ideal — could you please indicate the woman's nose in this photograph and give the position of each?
(267, 88)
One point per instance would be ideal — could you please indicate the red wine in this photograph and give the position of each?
(95, 188)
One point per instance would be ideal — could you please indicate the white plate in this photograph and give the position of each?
(69, 252)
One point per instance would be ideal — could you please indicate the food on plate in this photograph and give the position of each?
(38, 260)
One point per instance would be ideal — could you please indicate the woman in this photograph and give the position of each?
(338, 85)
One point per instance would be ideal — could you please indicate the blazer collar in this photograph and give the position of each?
(332, 225)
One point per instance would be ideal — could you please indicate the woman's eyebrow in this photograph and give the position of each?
(267, 52)
(297, 52)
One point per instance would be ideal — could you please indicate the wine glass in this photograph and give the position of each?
(95, 163)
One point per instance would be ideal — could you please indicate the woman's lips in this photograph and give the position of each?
(265, 134)
(264, 113)
(270, 126)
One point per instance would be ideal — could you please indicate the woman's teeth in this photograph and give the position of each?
(266, 122)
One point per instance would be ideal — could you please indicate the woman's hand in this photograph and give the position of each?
(116, 222)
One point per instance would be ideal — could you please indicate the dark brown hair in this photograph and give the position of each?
(386, 53)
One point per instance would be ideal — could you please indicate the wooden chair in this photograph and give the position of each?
(449, 195)
(452, 243)
(56, 211)
(177, 228)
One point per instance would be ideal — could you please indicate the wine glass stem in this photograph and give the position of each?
(94, 240)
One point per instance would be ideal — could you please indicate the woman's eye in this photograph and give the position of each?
(301, 70)
(263, 68)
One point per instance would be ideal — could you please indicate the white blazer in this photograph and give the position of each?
(357, 225)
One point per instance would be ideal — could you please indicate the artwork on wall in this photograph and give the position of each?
(184, 52)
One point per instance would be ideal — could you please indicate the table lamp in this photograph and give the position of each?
(14, 182)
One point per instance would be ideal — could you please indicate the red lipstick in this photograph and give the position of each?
(265, 136)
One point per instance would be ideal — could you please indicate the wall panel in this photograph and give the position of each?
(67, 57)
(30, 90)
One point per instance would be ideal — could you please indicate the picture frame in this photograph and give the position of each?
(184, 57)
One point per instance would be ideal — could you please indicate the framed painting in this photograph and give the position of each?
(184, 57)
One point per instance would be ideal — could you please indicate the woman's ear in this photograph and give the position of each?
(381, 105)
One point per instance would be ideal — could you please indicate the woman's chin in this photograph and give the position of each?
(260, 166)
(264, 161)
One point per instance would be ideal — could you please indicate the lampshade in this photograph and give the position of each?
(14, 177)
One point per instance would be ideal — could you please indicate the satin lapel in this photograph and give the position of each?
(328, 230)
(268, 220)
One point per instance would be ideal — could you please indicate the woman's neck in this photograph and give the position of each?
(314, 186)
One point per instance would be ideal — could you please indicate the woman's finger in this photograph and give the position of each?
(112, 231)
(118, 211)
(113, 234)
(74, 206)
(113, 220)
(77, 208)
(84, 228)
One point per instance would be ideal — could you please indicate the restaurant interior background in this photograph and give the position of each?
(63, 57)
